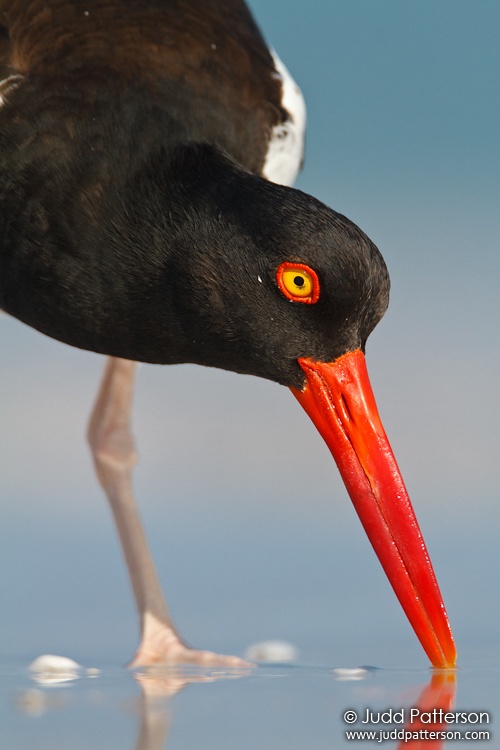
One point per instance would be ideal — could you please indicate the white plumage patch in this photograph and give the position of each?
(286, 147)
(9, 84)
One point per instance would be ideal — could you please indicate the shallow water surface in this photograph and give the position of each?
(317, 587)
(279, 706)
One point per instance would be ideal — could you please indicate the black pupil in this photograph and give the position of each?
(299, 281)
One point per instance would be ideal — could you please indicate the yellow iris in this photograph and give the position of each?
(297, 282)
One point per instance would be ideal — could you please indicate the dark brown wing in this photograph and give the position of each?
(211, 51)
(5, 69)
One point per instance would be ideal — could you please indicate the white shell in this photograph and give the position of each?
(50, 669)
(272, 652)
(342, 674)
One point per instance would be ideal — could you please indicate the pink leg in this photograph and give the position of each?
(114, 456)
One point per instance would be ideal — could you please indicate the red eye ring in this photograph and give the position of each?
(298, 282)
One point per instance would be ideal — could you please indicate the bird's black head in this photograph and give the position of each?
(262, 274)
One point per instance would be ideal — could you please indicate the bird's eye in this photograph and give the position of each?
(298, 282)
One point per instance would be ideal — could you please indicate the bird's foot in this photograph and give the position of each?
(182, 654)
(160, 645)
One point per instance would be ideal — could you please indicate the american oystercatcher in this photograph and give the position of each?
(147, 150)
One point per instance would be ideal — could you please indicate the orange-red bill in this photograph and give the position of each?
(339, 399)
